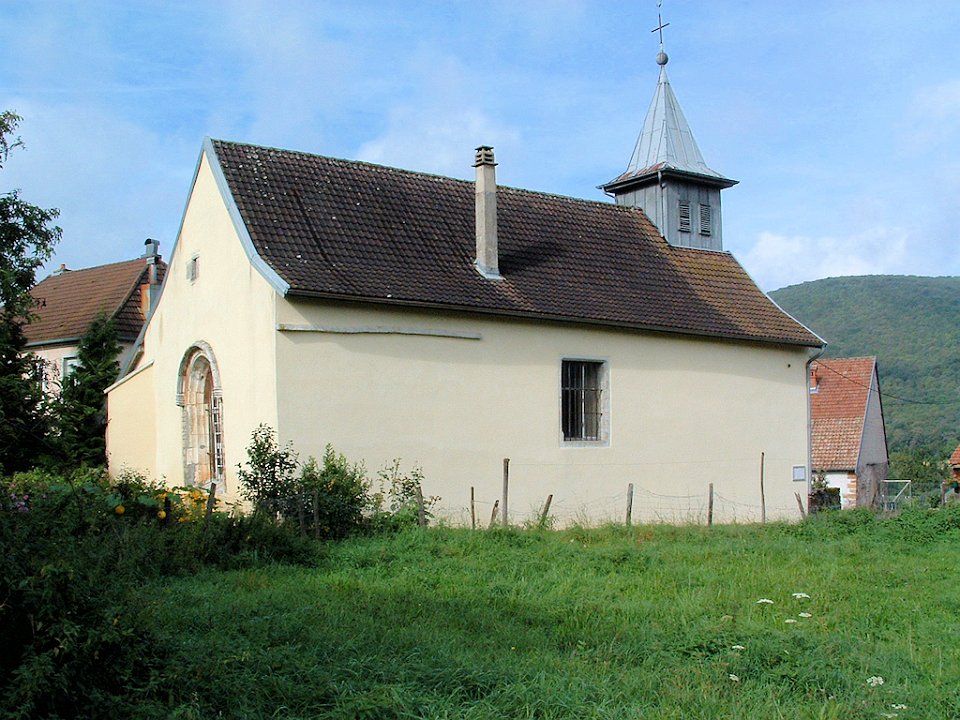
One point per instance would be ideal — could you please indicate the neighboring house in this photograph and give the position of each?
(849, 438)
(452, 324)
(67, 302)
(955, 464)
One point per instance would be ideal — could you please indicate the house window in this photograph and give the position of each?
(581, 403)
(706, 219)
(70, 363)
(684, 217)
(193, 268)
(199, 395)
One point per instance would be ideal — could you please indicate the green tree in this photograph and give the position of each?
(82, 407)
(27, 239)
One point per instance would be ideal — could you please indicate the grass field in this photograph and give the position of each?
(652, 622)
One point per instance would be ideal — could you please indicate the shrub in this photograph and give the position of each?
(335, 496)
(269, 481)
(399, 493)
(73, 551)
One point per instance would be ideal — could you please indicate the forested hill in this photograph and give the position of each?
(912, 325)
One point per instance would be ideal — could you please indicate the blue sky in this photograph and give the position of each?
(840, 120)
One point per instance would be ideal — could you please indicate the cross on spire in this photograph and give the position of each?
(660, 24)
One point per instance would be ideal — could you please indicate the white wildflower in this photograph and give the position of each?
(899, 706)
(888, 715)
(800, 596)
(874, 681)
(735, 678)
(790, 620)
(764, 601)
(805, 615)
(738, 647)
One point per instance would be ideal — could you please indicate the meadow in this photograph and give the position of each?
(850, 616)
(122, 598)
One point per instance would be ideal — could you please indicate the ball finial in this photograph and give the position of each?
(662, 58)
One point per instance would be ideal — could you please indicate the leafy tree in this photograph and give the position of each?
(83, 417)
(27, 239)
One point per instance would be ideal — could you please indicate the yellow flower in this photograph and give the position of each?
(161, 514)
(119, 509)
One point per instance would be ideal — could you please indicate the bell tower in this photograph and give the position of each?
(667, 176)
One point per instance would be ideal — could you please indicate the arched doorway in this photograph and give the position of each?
(199, 394)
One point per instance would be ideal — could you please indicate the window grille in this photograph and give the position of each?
(684, 217)
(581, 399)
(217, 422)
(705, 219)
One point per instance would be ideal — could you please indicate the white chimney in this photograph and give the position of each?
(488, 262)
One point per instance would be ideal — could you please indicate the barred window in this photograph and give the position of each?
(581, 399)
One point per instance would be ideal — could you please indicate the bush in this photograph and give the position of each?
(331, 501)
(399, 492)
(73, 552)
(335, 496)
(269, 482)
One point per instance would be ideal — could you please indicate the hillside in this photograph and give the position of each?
(912, 325)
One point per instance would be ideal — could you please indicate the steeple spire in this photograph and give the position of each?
(667, 176)
(666, 141)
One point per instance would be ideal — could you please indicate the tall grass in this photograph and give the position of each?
(651, 622)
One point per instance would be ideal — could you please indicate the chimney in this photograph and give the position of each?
(488, 263)
(150, 290)
(814, 380)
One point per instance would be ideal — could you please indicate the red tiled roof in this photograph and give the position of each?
(838, 409)
(955, 458)
(67, 303)
(348, 230)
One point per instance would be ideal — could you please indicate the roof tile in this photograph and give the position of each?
(336, 228)
(838, 409)
(67, 303)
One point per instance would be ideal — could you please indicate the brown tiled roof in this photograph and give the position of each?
(67, 303)
(340, 229)
(838, 409)
(955, 457)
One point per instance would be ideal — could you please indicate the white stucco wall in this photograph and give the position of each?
(846, 483)
(683, 412)
(54, 355)
(230, 307)
(132, 424)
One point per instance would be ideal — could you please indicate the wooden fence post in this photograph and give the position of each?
(421, 510)
(473, 510)
(803, 512)
(493, 513)
(546, 509)
(629, 504)
(211, 501)
(506, 485)
(300, 518)
(763, 499)
(710, 507)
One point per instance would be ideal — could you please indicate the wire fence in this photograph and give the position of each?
(640, 500)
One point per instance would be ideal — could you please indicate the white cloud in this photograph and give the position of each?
(777, 260)
(436, 128)
(934, 118)
(435, 140)
(114, 182)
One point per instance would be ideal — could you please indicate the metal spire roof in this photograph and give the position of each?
(666, 141)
